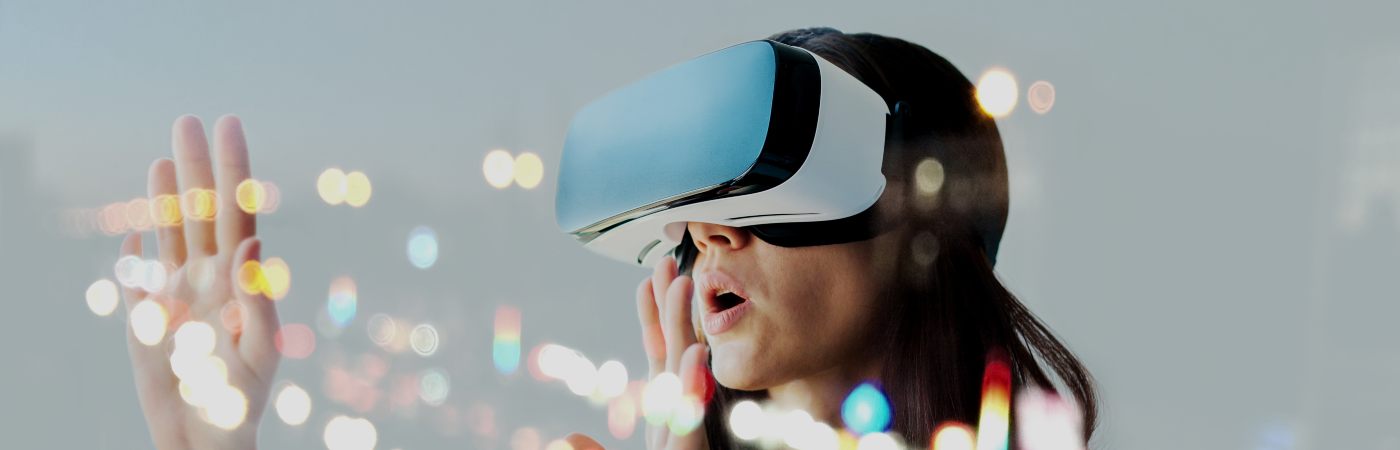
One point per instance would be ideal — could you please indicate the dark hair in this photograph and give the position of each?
(952, 311)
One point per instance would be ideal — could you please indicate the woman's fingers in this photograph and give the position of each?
(234, 224)
(695, 373)
(579, 441)
(675, 321)
(652, 339)
(196, 180)
(257, 314)
(164, 193)
(661, 277)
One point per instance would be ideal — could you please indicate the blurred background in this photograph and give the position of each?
(1205, 206)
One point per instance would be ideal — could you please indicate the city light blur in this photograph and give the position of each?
(1195, 191)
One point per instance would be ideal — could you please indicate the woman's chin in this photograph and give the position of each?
(734, 366)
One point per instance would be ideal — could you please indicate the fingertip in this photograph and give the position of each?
(187, 120)
(580, 441)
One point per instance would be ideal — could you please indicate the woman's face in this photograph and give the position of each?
(805, 310)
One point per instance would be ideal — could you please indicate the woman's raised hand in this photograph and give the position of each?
(196, 395)
(664, 308)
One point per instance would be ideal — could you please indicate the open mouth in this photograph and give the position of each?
(727, 300)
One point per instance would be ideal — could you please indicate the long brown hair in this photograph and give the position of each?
(949, 310)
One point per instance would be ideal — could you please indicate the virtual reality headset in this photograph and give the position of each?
(760, 135)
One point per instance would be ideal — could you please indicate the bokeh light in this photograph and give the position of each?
(129, 270)
(687, 415)
(225, 407)
(250, 195)
(525, 438)
(138, 214)
(346, 433)
(154, 276)
(997, 92)
(878, 441)
(342, 301)
(747, 420)
(612, 379)
(200, 204)
(148, 322)
(295, 341)
(194, 337)
(1046, 421)
(277, 278)
(505, 347)
(528, 170)
(993, 420)
(165, 209)
(622, 416)
(1041, 96)
(272, 198)
(231, 317)
(357, 189)
(293, 404)
(332, 186)
(422, 247)
(433, 387)
(558, 444)
(581, 375)
(866, 410)
(660, 397)
(499, 168)
(102, 297)
(382, 329)
(792, 427)
(928, 177)
(424, 339)
(251, 278)
(953, 436)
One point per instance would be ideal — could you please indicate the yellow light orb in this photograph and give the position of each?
(529, 170)
(499, 168)
(225, 408)
(953, 436)
(277, 277)
(357, 189)
(202, 204)
(165, 209)
(102, 297)
(293, 405)
(997, 92)
(250, 195)
(928, 176)
(558, 444)
(251, 278)
(331, 185)
(148, 322)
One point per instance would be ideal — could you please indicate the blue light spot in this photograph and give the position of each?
(341, 308)
(866, 410)
(506, 354)
(422, 247)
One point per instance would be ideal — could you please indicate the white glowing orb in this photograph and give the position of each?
(225, 408)
(660, 396)
(102, 297)
(424, 339)
(880, 441)
(612, 379)
(747, 420)
(194, 338)
(997, 92)
(148, 322)
(499, 168)
(293, 405)
(345, 433)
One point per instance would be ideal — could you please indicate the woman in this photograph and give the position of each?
(915, 310)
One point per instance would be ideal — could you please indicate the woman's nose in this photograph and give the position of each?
(709, 236)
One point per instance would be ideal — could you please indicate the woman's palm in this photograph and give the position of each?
(194, 395)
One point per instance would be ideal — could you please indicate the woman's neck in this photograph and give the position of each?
(822, 394)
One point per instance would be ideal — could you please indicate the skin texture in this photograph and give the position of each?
(807, 337)
(222, 244)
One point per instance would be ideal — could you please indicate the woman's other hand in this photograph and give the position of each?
(203, 248)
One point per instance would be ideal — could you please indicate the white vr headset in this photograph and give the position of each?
(760, 135)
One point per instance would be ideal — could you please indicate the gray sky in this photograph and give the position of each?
(1208, 215)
